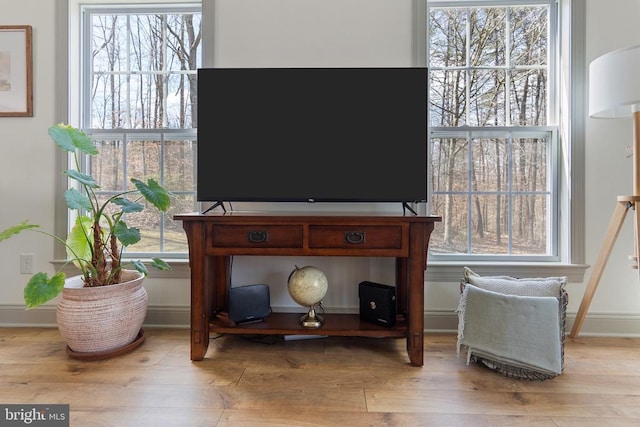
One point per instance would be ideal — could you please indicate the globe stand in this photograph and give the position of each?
(311, 319)
(307, 286)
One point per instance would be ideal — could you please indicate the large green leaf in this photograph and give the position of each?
(41, 288)
(154, 193)
(128, 206)
(71, 139)
(160, 264)
(24, 225)
(77, 200)
(83, 178)
(127, 236)
(139, 265)
(80, 240)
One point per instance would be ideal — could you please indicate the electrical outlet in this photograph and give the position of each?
(26, 263)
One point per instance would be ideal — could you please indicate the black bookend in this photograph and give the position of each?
(377, 303)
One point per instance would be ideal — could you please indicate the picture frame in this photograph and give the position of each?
(16, 86)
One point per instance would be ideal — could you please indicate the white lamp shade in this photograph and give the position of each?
(614, 84)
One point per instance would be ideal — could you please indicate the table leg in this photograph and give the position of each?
(200, 297)
(415, 294)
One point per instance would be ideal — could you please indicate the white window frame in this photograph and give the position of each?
(570, 245)
(162, 134)
(69, 108)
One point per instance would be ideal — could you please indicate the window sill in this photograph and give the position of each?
(436, 271)
(452, 271)
(179, 269)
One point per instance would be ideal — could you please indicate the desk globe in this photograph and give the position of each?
(307, 286)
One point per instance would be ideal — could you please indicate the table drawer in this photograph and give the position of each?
(355, 236)
(256, 236)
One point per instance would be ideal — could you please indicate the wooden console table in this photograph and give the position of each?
(214, 237)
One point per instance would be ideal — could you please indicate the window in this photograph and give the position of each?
(493, 139)
(139, 100)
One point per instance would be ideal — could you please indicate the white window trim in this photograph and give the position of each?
(572, 44)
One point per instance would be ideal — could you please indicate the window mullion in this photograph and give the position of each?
(468, 67)
(508, 67)
(164, 73)
(128, 77)
(470, 193)
(510, 195)
(125, 165)
(162, 182)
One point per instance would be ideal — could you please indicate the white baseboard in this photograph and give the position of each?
(45, 316)
(595, 324)
(17, 315)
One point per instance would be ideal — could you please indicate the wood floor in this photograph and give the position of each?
(324, 382)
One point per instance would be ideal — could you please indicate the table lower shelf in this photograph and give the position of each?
(335, 325)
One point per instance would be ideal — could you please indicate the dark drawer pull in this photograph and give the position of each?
(354, 237)
(258, 236)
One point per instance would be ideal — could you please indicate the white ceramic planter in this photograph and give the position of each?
(102, 319)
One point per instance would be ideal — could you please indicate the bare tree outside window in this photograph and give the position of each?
(141, 105)
(492, 133)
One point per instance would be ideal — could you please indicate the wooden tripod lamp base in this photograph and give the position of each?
(619, 215)
(614, 92)
(612, 63)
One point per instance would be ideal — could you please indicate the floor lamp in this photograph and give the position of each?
(614, 92)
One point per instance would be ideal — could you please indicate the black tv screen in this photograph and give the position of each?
(312, 134)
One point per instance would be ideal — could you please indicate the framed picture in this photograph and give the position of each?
(16, 97)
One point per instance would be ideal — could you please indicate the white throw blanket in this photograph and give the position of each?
(521, 331)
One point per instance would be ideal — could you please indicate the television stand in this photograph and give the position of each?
(215, 205)
(406, 207)
(215, 237)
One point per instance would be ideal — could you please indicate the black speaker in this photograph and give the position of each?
(377, 303)
(249, 303)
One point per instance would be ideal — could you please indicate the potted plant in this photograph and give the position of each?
(102, 309)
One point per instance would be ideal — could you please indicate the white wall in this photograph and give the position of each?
(307, 33)
(27, 157)
(609, 170)
(299, 33)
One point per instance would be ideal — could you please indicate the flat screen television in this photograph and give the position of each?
(312, 135)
